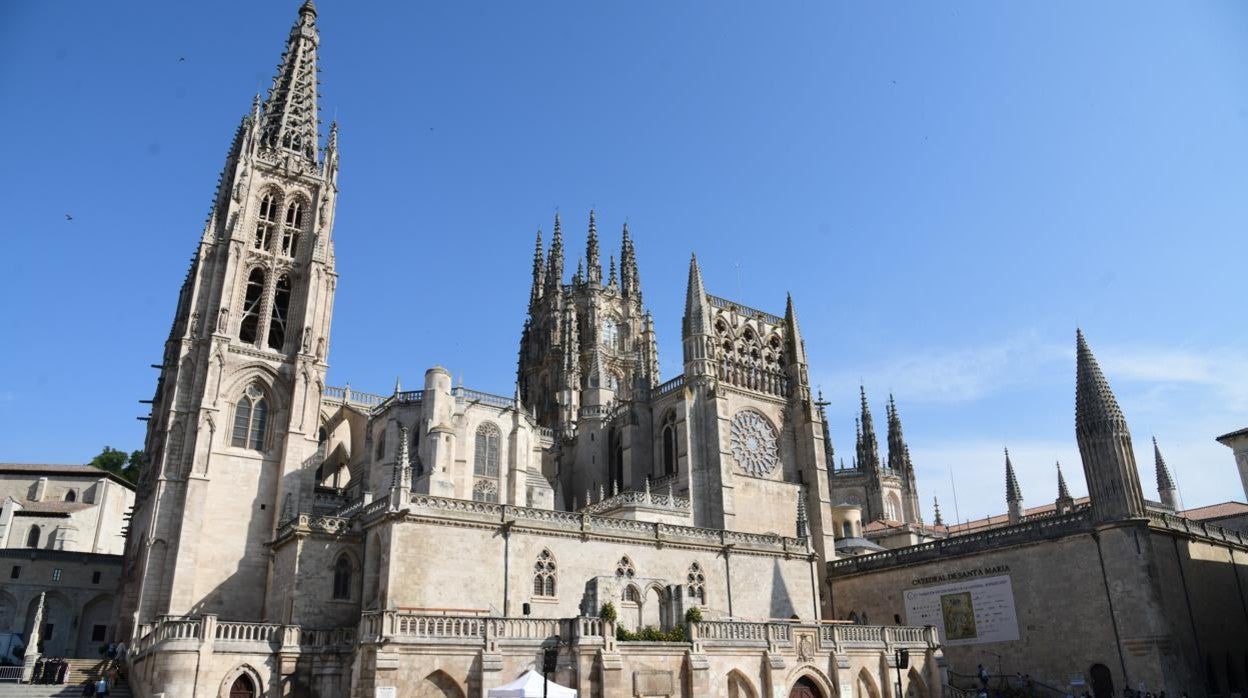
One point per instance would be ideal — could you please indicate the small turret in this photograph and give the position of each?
(539, 262)
(1065, 502)
(696, 330)
(1013, 493)
(1104, 442)
(1165, 484)
(938, 520)
(593, 268)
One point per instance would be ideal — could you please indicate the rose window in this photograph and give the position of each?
(754, 443)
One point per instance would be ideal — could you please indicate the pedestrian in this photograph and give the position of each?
(121, 649)
(982, 673)
(101, 688)
(112, 650)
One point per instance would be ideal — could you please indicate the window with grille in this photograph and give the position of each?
(56, 574)
(265, 221)
(250, 326)
(291, 229)
(251, 416)
(485, 458)
(281, 308)
(544, 575)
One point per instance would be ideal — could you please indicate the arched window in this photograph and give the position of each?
(669, 444)
(610, 333)
(624, 568)
(342, 577)
(71, 496)
(696, 581)
(381, 444)
(544, 575)
(485, 491)
(281, 307)
(847, 530)
(265, 221)
(485, 456)
(251, 416)
(243, 687)
(32, 538)
(631, 595)
(250, 326)
(418, 468)
(892, 507)
(291, 229)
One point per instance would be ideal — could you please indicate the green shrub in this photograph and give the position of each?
(607, 612)
(693, 615)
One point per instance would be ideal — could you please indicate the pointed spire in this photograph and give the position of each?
(1013, 493)
(1104, 442)
(539, 261)
(1164, 481)
(869, 457)
(593, 268)
(612, 282)
(1063, 492)
(796, 348)
(579, 277)
(1095, 406)
(290, 112)
(398, 387)
(554, 262)
(695, 301)
(939, 521)
(896, 441)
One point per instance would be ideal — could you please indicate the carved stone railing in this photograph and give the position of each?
(374, 507)
(1172, 522)
(1027, 531)
(465, 395)
(328, 638)
(731, 631)
(325, 499)
(312, 523)
(347, 396)
(248, 632)
(350, 509)
(604, 525)
(670, 387)
(746, 310)
(648, 498)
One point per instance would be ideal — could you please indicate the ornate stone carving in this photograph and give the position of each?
(754, 443)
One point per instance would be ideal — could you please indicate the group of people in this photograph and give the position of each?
(107, 679)
(50, 670)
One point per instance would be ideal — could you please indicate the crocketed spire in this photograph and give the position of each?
(1096, 409)
(1164, 482)
(554, 262)
(539, 262)
(896, 442)
(593, 268)
(1013, 493)
(1063, 492)
(869, 449)
(290, 112)
(936, 504)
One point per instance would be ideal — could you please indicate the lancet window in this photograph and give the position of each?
(544, 575)
(485, 457)
(251, 416)
(266, 219)
(291, 229)
(281, 310)
(669, 444)
(342, 577)
(250, 325)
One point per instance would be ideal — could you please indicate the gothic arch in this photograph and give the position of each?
(97, 611)
(239, 671)
(739, 685)
(242, 376)
(439, 684)
(865, 686)
(353, 571)
(916, 687)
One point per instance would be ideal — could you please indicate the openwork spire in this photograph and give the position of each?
(539, 262)
(897, 451)
(594, 268)
(290, 112)
(630, 279)
(1013, 493)
(1063, 492)
(612, 281)
(554, 263)
(869, 449)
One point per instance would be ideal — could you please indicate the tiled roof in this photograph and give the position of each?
(55, 470)
(1239, 432)
(52, 507)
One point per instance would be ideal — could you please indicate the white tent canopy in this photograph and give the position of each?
(529, 685)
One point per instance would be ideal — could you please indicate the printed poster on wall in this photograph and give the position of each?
(970, 612)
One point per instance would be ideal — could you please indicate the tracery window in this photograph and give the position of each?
(610, 333)
(696, 583)
(251, 416)
(265, 221)
(250, 325)
(485, 457)
(342, 577)
(892, 508)
(669, 444)
(291, 229)
(544, 575)
(631, 594)
(281, 308)
(485, 491)
(624, 568)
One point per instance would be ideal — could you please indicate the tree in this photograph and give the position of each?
(119, 464)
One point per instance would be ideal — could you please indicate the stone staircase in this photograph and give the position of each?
(80, 671)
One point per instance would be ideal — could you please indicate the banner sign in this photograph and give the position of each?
(970, 612)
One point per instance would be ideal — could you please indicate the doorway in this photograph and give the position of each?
(1102, 681)
(805, 688)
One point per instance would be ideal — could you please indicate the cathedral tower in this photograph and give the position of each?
(234, 416)
(1104, 442)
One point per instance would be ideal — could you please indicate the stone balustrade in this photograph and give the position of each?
(227, 636)
(1171, 522)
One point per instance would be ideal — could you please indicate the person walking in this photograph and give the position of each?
(101, 688)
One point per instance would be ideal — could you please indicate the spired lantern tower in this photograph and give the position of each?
(234, 416)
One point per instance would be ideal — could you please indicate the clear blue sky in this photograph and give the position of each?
(946, 189)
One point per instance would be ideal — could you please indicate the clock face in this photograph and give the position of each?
(754, 443)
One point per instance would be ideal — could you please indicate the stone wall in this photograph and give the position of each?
(77, 604)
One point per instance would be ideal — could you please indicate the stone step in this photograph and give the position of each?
(55, 691)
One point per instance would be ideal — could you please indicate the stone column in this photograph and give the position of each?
(32, 647)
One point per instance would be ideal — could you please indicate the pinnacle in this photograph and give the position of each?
(1095, 405)
(1063, 492)
(1164, 481)
(1013, 493)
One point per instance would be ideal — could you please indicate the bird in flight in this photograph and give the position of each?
(181, 59)
(68, 217)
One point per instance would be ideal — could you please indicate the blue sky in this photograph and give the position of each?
(946, 189)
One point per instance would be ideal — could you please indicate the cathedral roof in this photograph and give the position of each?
(1095, 405)
(52, 470)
